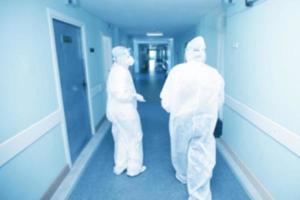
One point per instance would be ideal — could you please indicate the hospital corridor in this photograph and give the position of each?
(150, 100)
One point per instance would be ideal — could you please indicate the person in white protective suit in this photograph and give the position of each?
(192, 94)
(122, 112)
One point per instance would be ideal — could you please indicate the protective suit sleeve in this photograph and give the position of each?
(125, 95)
(166, 93)
(121, 87)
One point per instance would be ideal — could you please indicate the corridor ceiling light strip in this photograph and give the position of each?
(154, 34)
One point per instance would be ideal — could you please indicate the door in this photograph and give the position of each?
(107, 58)
(73, 83)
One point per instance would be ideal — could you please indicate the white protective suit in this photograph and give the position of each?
(122, 112)
(193, 94)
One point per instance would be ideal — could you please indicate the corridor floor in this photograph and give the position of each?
(158, 182)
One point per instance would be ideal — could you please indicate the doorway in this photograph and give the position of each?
(153, 56)
(73, 85)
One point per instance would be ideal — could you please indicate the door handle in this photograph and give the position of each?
(83, 84)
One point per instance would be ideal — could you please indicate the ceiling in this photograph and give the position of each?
(136, 17)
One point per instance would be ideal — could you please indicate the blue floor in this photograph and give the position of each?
(158, 181)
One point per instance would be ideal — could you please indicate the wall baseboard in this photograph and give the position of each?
(99, 124)
(68, 184)
(282, 135)
(255, 189)
(51, 190)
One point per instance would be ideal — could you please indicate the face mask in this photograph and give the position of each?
(130, 61)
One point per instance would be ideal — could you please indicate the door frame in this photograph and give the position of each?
(55, 15)
(139, 41)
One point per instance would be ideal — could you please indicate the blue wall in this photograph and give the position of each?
(30, 173)
(263, 73)
(28, 90)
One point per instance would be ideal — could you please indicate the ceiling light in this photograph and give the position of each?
(155, 34)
